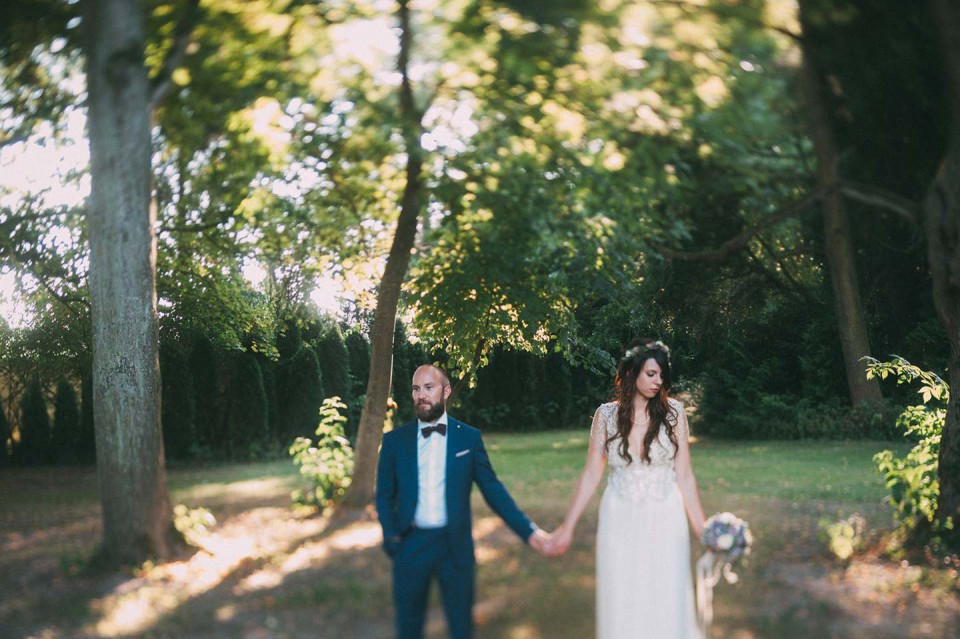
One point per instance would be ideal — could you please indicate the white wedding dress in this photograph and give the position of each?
(644, 580)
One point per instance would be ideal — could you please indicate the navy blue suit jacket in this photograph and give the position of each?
(467, 462)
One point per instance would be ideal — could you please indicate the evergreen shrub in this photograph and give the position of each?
(6, 438)
(35, 436)
(66, 424)
(300, 395)
(247, 415)
(358, 354)
(178, 405)
(334, 362)
(204, 361)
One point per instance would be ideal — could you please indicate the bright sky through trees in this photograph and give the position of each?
(53, 165)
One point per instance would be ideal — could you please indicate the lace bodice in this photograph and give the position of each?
(637, 480)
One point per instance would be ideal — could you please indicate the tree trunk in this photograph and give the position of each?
(126, 373)
(370, 429)
(839, 248)
(942, 221)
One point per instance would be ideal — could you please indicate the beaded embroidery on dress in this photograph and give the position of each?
(644, 579)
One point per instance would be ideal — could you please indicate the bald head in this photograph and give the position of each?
(430, 369)
(430, 389)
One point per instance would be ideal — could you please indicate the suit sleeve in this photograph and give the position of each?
(496, 494)
(387, 491)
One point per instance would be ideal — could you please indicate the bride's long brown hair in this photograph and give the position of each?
(658, 408)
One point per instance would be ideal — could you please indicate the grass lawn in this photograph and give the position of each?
(784, 489)
(268, 572)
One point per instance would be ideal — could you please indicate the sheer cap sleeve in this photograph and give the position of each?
(683, 427)
(598, 430)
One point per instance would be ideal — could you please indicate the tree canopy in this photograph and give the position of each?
(589, 172)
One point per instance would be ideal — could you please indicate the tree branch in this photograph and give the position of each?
(474, 363)
(883, 199)
(66, 300)
(688, 6)
(190, 228)
(740, 240)
(793, 285)
(161, 83)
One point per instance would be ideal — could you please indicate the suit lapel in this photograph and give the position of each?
(409, 459)
(452, 441)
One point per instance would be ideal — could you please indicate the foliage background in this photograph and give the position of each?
(580, 154)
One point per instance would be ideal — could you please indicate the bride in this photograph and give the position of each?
(644, 582)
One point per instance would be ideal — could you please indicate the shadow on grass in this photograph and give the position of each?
(333, 582)
(323, 578)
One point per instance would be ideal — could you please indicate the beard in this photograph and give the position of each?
(428, 412)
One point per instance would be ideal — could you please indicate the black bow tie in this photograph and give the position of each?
(430, 430)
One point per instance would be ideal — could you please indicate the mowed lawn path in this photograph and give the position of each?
(266, 571)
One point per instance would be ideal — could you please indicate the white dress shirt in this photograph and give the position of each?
(432, 473)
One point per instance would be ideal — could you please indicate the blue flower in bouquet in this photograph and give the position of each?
(726, 538)
(727, 535)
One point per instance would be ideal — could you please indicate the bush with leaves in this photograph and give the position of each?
(912, 479)
(193, 523)
(844, 538)
(327, 465)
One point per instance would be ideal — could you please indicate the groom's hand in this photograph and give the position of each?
(391, 545)
(539, 541)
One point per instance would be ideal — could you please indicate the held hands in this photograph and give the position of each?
(551, 544)
(539, 541)
(560, 540)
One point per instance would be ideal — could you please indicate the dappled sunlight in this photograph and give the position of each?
(524, 631)
(571, 442)
(238, 491)
(136, 605)
(488, 554)
(712, 91)
(494, 541)
(266, 571)
(486, 609)
(358, 536)
(483, 528)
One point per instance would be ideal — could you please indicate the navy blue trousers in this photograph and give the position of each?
(425, 555)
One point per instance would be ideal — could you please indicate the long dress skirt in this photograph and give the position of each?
(644, 578)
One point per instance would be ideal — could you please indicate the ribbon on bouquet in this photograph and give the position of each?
(710, 567)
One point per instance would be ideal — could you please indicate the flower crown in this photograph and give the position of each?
(636, 351)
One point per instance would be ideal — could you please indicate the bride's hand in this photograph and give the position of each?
(560, 540)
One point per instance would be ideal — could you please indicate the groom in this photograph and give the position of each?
(425, 474)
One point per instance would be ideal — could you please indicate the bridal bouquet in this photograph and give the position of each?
(727, 538)
(727, 535)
